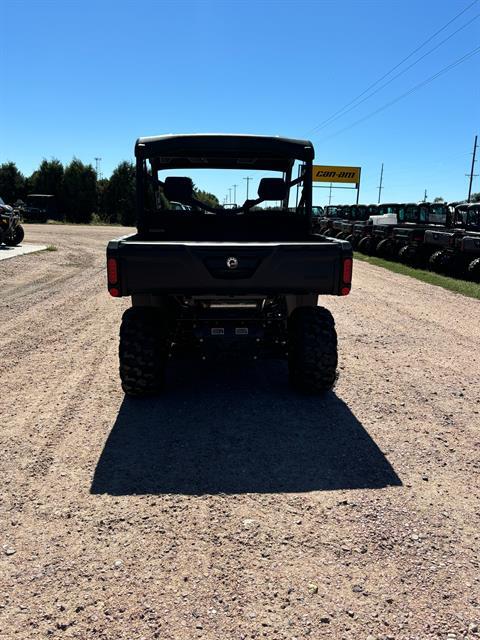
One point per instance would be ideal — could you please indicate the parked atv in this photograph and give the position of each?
(11, 231)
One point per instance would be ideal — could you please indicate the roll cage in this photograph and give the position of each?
(222, 151)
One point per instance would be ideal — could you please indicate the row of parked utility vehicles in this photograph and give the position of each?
(439, 236)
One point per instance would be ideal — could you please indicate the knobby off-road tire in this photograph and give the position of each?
(440, 261)
(143, 351)
(16, 238)
(474, 270)
(351, 240)
(365, 245)
(312, 350)
(385, 249)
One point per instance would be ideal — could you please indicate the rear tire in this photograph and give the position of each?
(143, 351)
(385, 249)
(474, 270)
(440, 262)
(16, 238)
(366, 245)
(312, 350)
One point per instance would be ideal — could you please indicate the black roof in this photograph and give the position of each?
(40, 195)
(223, 151)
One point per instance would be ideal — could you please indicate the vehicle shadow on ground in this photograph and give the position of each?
(237, 429)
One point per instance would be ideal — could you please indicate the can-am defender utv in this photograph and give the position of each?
(456, 251)
(213, 282)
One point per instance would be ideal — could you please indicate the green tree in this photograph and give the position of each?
(438, 200)
(102, 187)
(48, 178)
(206, 197)
(475, 197)
(119, 201)
(12, 183)
(79, 191)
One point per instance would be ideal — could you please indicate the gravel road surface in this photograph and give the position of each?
(232, 508)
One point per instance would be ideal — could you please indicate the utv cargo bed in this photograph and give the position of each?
(227, 268)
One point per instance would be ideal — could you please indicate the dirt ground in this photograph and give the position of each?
(232, 508)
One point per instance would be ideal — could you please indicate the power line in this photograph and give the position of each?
(399, 64)
(354, 106)
(418, 86)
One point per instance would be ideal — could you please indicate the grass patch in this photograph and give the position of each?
(51, 247)
(464, 287)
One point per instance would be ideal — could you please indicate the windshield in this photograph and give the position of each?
(1, 201)
(387, 208)
(361, 212)
(460, 216)
(331, 211)
(473, 218)
(410, 213)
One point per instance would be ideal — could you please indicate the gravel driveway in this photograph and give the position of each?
(232, 508)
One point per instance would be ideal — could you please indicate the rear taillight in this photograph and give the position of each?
(112, 271)
(112, 277)
(347, 276)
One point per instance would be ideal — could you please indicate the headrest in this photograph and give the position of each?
(272, 189)
(178, 189)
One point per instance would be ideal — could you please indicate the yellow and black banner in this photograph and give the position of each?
(336, 174)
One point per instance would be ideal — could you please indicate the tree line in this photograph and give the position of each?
(78, 193)
(80, 196)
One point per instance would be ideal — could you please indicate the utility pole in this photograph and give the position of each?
(97, 167)
(248, 178)
(425, 196)
(475, 145)
(235, 193)
(229, 195)
(380, 185)
(330, 194)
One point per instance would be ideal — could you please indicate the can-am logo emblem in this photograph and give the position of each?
(232, 263)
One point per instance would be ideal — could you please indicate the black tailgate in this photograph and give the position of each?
(228, 268)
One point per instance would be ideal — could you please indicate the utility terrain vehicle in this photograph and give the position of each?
(223, 283)
(330, 213)
(361, 228)
(11, 231)
(343, 214)
(456, 250)
(379, 227)
(39, 208)
(357, 213)
(408, 243)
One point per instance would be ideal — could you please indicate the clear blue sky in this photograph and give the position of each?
(86, 78)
